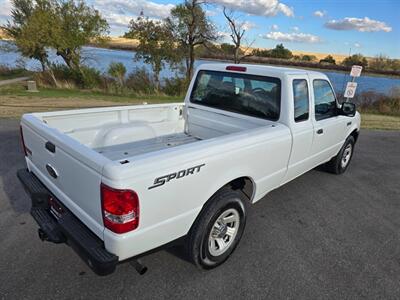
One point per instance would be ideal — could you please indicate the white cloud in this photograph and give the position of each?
(292, 37)
(319, 13)
(225, 36)
(274, 27)
(5, 9)
(117, 12)
(118, 20)
(295, 28)
(248, 25)
(364, 25)
(357, 45)
(268, 8)
(210, 13)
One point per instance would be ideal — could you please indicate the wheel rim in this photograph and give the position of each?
(346, 155)
(223, 232)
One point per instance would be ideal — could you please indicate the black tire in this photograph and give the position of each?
(335, 165)
(197, 245)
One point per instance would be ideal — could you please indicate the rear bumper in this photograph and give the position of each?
(66, 228)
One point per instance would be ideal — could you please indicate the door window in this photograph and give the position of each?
(325, 101)
(300, 97)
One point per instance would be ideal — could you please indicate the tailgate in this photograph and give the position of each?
(67, 168)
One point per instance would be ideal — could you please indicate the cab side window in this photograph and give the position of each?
(300, 97)
(325, 101)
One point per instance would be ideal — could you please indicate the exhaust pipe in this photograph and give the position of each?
(139, 267)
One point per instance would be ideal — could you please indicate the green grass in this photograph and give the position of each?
(14, 73)
(379, 121)
(18, 90)
(15, 100)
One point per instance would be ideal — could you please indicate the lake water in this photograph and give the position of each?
(100, 59)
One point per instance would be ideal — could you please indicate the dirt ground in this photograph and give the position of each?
(14, 106)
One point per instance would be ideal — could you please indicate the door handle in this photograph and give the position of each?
(320, 131)
(50, 147)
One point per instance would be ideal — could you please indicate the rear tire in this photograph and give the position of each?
(340, 163)
(218, 229)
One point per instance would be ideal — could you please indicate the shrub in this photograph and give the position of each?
(141, 81)
(278, 52)
(328, 60)
(86, 77)
(7, 72)
(175, 86)
(308, 57)
(118, 71)
(374, 102)
(90, 78)
(355, 59)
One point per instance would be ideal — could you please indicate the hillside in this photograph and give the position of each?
(129, 44)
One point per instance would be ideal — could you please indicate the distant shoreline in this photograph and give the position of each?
(129, 45)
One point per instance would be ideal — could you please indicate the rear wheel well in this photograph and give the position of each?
(244, 184)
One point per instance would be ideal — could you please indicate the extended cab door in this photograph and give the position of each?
(329, 127)
(302, 127)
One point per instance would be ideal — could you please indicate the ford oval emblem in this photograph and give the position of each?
(53, 173)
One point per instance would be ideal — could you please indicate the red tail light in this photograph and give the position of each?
(236, 68)
(22, 141)
(120, 209)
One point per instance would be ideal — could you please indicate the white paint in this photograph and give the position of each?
(356, 71)
(158, 140)
(350, 89)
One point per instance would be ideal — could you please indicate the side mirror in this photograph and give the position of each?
(348, 109)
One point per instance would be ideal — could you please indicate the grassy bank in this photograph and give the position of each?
(15, 101)
(11, 73)
(384, 122)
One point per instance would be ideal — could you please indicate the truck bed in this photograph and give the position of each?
(119, 133)
(119, 152)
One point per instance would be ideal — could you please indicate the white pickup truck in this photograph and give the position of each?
(115, 183)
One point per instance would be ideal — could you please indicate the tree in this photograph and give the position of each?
(261, 52)
(227, 48)
(280, 52)
(328, 60)
(20, 12)
(17, 29)
(308, 57)
(238, 29)
(355, 59)
(190, 27)
(78, 24)
(118, 71)
(156, 45)
(64, 25)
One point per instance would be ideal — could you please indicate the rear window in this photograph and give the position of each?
(256, 96)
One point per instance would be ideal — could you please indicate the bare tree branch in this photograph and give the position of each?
(238, 31)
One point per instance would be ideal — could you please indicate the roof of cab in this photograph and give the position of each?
(264, 69)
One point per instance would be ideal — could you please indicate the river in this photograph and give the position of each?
(100, 59)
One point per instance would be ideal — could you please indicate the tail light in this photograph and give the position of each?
(120, 209)
(22, 141)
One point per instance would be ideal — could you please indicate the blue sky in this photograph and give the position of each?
(367, 27)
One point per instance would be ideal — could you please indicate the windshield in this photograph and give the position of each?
(256, 96)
